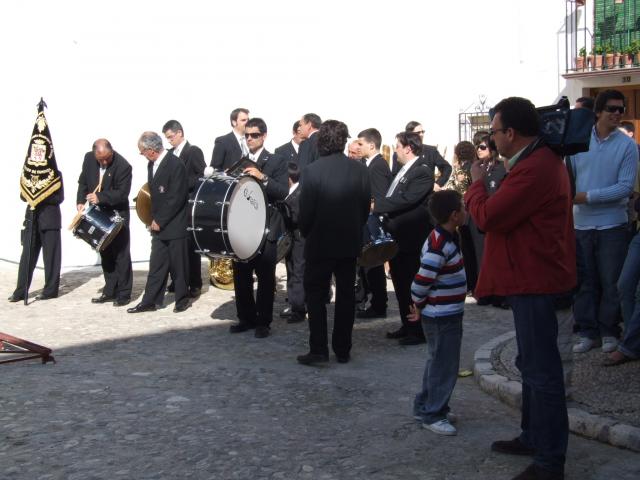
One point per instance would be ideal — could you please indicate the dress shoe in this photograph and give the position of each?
(121, 302)
(15, 298)
(371, 313)
(42, 296)
(399, 333)
(343, 358)
(181, 306)
(312, 358)
(262, 331)
(139, 308)
(533, 472)
(102, 299)
(195, 292)
(297, 317)
(241, 327)
(616, 358)
(286, 313)
(512, 447)
(412, 339)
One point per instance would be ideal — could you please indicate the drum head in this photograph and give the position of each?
(247, 218)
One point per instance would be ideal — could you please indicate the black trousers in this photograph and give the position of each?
(256, 310)
(195, 264)
(295, 275)
(404, 267)
(375, 281)
(317, 278)
(116, 266)
(167, 256)
(49, 242)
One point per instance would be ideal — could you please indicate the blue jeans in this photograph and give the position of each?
(601, 255)
(444, 337)
(629, 287)
(545, 425)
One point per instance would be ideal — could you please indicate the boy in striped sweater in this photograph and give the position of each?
(438, 292)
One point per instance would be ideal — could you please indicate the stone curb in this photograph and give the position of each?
(509, 391)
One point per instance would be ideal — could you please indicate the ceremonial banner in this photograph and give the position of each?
(40, 176)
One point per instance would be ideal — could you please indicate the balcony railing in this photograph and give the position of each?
(602, 35)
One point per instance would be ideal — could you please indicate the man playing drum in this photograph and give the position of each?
(105, 180)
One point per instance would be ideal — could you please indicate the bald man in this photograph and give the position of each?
(102, 162)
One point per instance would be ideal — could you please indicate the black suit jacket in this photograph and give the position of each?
(432, 158)
(288, 152)
(406, 209)
(334, 206)
(226, 151)
(379, 176)
(193, 160)
(116, 184)
(274, 167)
(308, 152)
(168, 189)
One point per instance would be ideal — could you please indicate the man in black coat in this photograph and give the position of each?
(271, 170)
(105, 167)
(297, 310)
(290, 149)
(167, 180)
(308, 151)
(369, 142)
(46, 236)
(230, 148)
(405, 206)
(429, 156)
(334, 205)
(193, 160)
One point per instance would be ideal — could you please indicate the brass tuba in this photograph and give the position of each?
(221, 273)
(143, 205)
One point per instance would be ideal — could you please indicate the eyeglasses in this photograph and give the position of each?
(481, 147)
(492, 132)
(419, 132)
(254, 135)
(614, 109)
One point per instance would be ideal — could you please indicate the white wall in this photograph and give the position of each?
(114, 69)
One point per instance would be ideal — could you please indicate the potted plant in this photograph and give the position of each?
(626, 57)
(608, 55)
(634, 50)
(597, 56)
(580, 59)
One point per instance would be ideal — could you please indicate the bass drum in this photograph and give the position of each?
(229, 217)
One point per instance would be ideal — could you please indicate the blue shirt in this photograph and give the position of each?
(607, 173)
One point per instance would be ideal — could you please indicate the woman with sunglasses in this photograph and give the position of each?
(488, 155)
(464, 154)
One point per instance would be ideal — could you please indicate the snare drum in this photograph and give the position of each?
(379, 246)
(98, 226)
(229, 217)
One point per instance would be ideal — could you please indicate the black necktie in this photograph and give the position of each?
(149, 172)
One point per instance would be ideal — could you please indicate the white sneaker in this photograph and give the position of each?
(584, 345)
(609, 344)
(452, 417)
(441, 427)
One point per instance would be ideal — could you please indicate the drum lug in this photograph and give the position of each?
(199, 202)
(219, 230)
(191, 229)
(202, 251)
(226, 204)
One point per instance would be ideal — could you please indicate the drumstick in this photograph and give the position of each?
(80, 213)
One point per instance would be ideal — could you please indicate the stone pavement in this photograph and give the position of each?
(175, 396)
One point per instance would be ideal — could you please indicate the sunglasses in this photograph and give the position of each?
(481, 147)
(493, 132)
(614, 109)
(253, 135)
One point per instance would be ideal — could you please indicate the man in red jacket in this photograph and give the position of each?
(529, 258)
